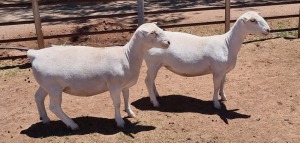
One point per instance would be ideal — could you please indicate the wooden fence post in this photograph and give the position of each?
(227, 15)
(38, 25)
(141, 19)
(299, 24)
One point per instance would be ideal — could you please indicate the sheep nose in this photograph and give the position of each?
(168, 42)
(266, 31)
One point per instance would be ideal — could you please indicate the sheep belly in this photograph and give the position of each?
(85, 88)
(189, 70)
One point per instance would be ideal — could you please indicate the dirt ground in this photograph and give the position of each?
(263, 96)
(263, 104)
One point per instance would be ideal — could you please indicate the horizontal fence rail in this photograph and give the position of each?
(169, 11)
(13, 58)
(124, 14)
(55, 3)
(68, 19)
(133, 27)
(68, 35)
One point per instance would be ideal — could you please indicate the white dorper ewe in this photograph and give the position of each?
(87, 71)
(190, 55)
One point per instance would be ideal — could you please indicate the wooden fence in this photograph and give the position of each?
(140, 12)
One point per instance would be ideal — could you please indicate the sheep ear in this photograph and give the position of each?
(144, 33)
(244, 19)
(154, 23)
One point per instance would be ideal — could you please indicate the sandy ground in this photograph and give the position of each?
(263, 97)
(263, 105)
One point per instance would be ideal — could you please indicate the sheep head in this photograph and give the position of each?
(153, 36)
(254, 23)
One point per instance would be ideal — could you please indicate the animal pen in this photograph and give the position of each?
(263, 89)
(140, 14)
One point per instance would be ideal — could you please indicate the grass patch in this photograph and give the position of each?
(293, 34)
(9, 72)
(285, 25)
(8, 69)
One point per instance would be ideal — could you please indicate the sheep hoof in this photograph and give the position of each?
(217, 105)
(155, 104)
(120, 123)
(74, 127)
(223, 99)
(131, 115)
(45, 120)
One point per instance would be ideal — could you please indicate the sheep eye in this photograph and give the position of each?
(153, 32)
(253, 20)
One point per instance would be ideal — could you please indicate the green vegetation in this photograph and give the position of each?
(281, 25)
(10, 71)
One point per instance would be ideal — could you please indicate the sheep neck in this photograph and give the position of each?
(134, 53)
(234, 38)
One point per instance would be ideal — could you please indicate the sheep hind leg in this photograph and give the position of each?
(128, 110)
(150, 83)
(221, 92)
(55, 106)
(40, 96)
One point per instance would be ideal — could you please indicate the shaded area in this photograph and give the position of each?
(54, 13)
(114, 7)
(87, 125)
(181, 104)
(21, 66)
(105, 26)
(13, 57)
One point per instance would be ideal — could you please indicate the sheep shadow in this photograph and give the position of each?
(87, 125)
(181, 104)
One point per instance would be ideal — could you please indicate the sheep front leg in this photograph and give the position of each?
(125, 93)
(40, 96)
(55, 95)
(115, 95)
(217, 77)
(221, 92)
(149, 81)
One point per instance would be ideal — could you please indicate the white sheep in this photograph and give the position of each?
(190, 55)
(87, 71)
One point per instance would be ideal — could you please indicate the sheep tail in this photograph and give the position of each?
(31, 54)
